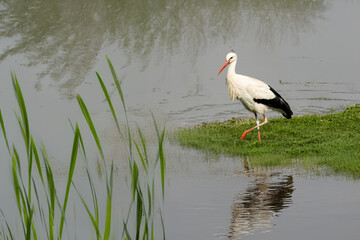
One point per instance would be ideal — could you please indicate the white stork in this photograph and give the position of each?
(255, 95)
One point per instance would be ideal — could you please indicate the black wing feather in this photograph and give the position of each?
(277, 103)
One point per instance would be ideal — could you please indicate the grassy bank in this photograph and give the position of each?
(332, 140)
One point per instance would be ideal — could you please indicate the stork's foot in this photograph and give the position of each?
(244, 135)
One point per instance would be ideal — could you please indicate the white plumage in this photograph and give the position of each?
(255, 95)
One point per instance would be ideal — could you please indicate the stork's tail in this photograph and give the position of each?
(285, 109)
(282, 105)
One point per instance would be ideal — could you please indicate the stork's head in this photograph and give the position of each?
(230, 58)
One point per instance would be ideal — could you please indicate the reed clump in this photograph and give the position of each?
(43, 211)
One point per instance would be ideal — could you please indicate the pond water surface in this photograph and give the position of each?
(167, 55)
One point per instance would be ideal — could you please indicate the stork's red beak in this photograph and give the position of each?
(224, 66)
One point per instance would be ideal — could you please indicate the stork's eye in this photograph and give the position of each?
(230, 58)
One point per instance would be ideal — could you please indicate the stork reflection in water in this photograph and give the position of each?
(254, 210)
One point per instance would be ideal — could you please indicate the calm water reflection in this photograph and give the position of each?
(64, 38)
(254, 210)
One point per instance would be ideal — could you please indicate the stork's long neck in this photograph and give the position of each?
(231, 71)
(233, 84)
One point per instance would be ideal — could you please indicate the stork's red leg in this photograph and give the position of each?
(257, 126)
(259, 134)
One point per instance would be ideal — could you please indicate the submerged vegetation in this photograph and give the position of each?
(42, 206)
(331, 140)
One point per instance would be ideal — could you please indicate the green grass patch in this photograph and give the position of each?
(331, 140)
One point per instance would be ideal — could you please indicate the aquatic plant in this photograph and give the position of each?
(142, 192)
(37, 194)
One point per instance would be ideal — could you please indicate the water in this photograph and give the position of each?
(284, 205)
(167, 55)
